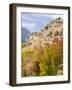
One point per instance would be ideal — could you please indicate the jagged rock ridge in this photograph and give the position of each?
(52, 30)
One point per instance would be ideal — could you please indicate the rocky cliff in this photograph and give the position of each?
(51, 33)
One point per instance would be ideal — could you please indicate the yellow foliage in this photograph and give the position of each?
(42, 61)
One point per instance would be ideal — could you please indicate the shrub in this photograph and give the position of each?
(42, 61)
(56, 33)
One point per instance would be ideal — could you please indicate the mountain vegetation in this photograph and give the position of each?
(42, 54)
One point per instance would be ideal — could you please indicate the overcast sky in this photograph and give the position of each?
(34, 22)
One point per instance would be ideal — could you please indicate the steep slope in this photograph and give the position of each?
(55, 26)
(42, 55)
(51, 33)
(54, 30)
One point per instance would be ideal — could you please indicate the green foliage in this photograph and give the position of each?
(46, 27)
(50, 33)
(61, 33)
(42, 61)
(56, 33)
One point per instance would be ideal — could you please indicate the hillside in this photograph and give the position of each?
(52, 31)
(42, 54)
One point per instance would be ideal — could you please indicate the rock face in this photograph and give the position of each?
(52, 31)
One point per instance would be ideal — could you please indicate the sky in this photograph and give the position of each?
(35, 22)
